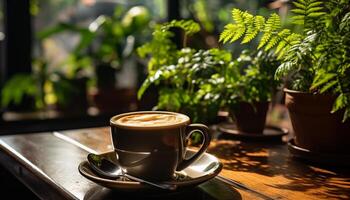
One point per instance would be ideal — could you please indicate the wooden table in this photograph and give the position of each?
(47, 164)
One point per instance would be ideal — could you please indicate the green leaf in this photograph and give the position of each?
(322, 79)
(299, 19)
(280, 47)
(316, 14)
(229, 32)
(328, 85)
(259, 22)
(346, 114)
(265, 38)
(273, 41)
(273, 23)
(237, 15)
(314, 9)
(299, 5)
(145, 85)
(284, 69)
(340, 102)
(298, 11)
(240, 30)
(255, 25)
(314, 4)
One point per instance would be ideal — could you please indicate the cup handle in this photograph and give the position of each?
(204, 130)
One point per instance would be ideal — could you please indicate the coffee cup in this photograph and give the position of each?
(152, 144)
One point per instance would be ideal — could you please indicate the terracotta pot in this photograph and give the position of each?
(250, 118)
(315, 127)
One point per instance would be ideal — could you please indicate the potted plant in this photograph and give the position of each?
(245, 88)
(178, 73)
(316, 64)
(117, 37)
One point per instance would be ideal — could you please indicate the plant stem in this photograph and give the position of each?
(184, 42)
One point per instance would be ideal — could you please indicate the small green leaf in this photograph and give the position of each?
(298, 11)
(314, 9)
(340, 102)
(314, 4)
(299, 5)
(316, 14)
(346, 114)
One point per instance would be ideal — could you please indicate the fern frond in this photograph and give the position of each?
(237, 15)
(272, 24)
(287, 43)
(228, 33)
(273, 41)
(322, 79)
(259, 22)
(306, 11)
(280, 46)
(265, 38)
(255, 24)
(284, 69)
(240, 30)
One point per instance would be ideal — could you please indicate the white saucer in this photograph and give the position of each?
(202, 170)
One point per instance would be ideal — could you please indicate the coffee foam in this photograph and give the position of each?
(151, 120)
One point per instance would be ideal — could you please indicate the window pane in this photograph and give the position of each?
(49, 13)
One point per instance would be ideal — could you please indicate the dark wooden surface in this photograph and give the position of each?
(47, 164)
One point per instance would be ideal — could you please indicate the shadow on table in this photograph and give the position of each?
(211, 190)
(274, 160)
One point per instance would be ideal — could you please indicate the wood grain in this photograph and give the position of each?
(48, 165)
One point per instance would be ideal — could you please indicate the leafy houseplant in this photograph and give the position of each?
(316, 63)
(118, 37)
(180, 73)
(47, 88)
(245, 88)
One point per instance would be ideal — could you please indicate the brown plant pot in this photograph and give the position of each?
(251, 118)
(315, 127)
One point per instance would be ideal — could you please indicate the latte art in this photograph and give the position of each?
(150, 120)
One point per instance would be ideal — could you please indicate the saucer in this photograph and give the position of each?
(200, 171)
(269, 132)
(317, 157)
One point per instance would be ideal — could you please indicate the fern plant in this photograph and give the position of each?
(317, 58)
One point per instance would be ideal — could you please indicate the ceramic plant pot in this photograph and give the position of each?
(315, 127)
(250, 118)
